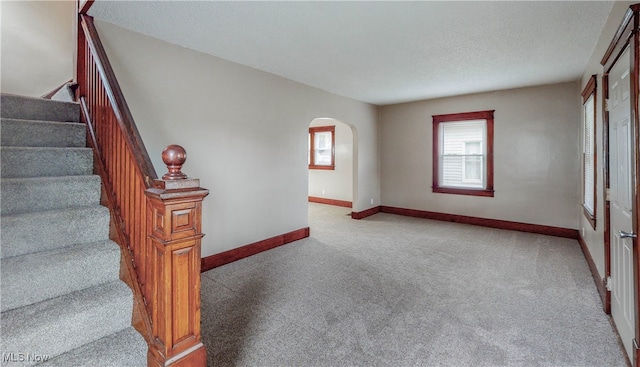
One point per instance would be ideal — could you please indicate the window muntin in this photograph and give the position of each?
(322, 147)
(589, 151)
(463, 153)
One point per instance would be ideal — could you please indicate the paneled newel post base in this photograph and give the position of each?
(173, 273)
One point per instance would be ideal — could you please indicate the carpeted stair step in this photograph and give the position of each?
(23, 195)
(44, 275)
(45, 161)
(61, 296)
(125, 348)
(41, 231)
(29, 108)
(61, 324)
(29, 133)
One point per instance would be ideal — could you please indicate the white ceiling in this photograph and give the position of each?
(382, 52)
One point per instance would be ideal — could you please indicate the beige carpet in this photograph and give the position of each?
(397, 291)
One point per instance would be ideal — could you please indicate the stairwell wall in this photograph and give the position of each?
(38, 42)
(245, 132)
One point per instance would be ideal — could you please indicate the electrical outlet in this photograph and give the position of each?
(371, 201)
(582, 232)
(322, 191)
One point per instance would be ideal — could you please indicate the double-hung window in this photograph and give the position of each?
(589, 151)
(463, 153)
(321, 147)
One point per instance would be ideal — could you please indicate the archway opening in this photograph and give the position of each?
(332, 161)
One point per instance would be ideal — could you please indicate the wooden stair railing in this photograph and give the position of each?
(157, 222)
(174, 207)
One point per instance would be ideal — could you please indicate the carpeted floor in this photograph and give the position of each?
(397, 291)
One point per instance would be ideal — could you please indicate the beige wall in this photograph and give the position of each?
(335, 184)
(37, 46)
(595, 238)
(536, 155)
(245, 132)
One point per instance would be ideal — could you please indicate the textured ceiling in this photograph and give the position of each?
(382, 52)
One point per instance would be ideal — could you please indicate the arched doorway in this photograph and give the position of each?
(332, 162)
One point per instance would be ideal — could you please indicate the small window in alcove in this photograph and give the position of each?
(321, 147)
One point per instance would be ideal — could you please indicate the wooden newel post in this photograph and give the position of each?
(175, 232)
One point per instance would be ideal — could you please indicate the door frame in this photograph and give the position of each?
(626, 35)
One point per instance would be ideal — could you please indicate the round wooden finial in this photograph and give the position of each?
(174, 157)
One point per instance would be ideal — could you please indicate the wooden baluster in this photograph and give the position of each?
(175, 231)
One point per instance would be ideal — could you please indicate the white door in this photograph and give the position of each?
(620, 176)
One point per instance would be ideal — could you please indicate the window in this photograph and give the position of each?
(321, 147)
(589, 151)
(463, 153)
(472, 162)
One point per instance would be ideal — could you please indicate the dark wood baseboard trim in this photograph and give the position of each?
(602, 290)
(230, 256)
(366, 213)
(493, 223)
(346, 204)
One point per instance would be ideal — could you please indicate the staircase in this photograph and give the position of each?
(62, 302)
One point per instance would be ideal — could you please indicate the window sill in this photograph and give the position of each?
(460, 191)
(590, 218)
(326, 168)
